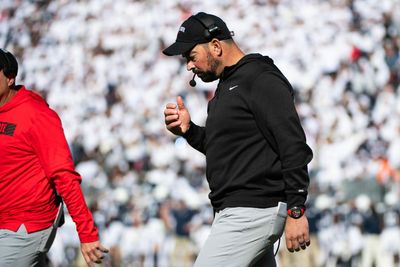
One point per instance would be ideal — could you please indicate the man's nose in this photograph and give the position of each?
(190, 66)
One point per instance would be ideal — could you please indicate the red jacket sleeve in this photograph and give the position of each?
(48, 140)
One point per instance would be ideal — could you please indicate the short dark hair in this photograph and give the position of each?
(8, 64)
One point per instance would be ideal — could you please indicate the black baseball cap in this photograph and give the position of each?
(198, 29)
(8, 64)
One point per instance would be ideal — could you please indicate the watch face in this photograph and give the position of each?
(296, 212)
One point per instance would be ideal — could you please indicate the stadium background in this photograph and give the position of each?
(98, 64)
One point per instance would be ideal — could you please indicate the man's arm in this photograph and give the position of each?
(49, 142)
(275, 112)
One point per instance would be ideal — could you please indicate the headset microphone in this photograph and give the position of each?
(192, 82)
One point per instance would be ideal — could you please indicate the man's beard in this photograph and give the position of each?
(210, 75)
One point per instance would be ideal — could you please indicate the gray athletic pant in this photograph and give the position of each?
(20, 249)
(243, 237)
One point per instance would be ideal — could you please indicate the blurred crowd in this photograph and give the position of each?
(98, 63)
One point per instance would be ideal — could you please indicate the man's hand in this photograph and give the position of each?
(177, 117)
(93, 252)
(297, 234)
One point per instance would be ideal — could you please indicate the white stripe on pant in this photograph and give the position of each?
(243, 237)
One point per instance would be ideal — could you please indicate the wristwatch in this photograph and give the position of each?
(296, 212)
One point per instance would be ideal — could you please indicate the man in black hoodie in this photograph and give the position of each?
(255, 147)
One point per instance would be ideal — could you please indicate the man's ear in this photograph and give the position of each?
(216, 47)
(10, 81)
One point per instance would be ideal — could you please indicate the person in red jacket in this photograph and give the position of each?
(36, 170)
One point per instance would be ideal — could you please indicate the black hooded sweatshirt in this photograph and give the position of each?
(255, 147)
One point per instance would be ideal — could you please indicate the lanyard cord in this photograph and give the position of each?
(277, 249)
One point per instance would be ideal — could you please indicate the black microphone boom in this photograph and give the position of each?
(192, 82)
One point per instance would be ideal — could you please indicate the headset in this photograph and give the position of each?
(211, 30)
(9, 64)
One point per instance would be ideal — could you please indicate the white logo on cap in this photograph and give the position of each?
(182, 29)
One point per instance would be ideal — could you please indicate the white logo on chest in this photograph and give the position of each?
(233, 87)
